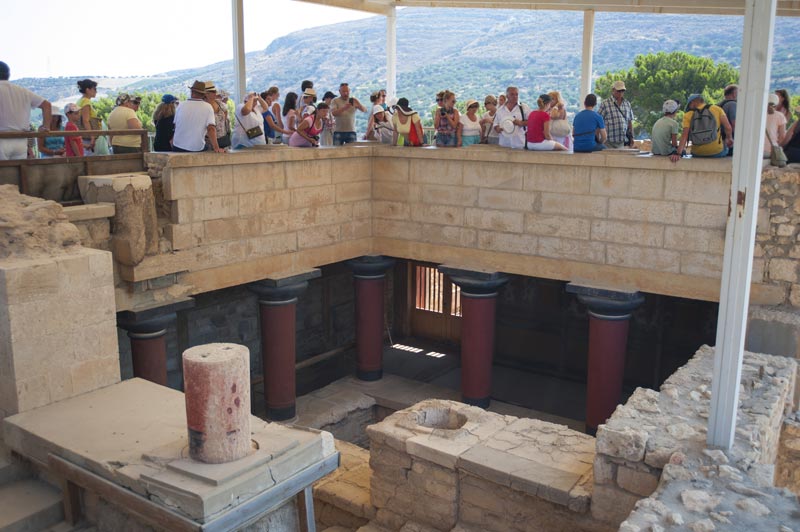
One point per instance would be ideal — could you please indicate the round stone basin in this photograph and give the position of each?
(441, 418)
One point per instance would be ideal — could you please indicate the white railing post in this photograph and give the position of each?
(391, 53)
(239, 70)
(586, 54)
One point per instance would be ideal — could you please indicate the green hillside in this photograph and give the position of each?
(473, 52)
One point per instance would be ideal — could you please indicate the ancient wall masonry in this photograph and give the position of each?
(57, 308)
(777, 250)
(655, 445)
(440, 464)
(134, 226)
(787, 468)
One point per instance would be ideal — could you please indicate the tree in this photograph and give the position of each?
(664, 76)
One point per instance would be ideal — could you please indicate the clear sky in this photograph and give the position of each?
(52, 38)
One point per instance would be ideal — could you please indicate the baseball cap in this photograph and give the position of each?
(71, 108)
(168, 98)
(618, 85)
(669, 107)
(377, 109)
(773, 99)
(692, 98)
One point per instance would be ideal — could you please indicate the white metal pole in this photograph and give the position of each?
(587, 53)
(237, 17)
(391, 53)
(759, 25)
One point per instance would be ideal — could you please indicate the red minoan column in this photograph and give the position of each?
(217, 391)
(478, 310)
(609, 317)
(278, 310)
(149, 347)
(369, 272)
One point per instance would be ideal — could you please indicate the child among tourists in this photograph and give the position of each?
(73, 145)
(664, 136)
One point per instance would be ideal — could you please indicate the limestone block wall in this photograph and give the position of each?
(57, 309)
(657, 437)
(787, 468)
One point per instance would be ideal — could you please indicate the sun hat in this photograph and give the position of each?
(123, 97)
(773, 99)
(71, 108)
(168, 98)
(310, 92)
(507, 125)
(471, 102)
(202, 86)
(669, 107)
(377, 109)
(618, 85)
(693, 97)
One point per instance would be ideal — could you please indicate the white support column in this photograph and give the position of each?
(239, 71)
(391, 53)
(759, 25)
(587, 53)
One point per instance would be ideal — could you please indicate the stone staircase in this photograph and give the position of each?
(28, 504)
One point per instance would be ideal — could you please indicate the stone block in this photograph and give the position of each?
(249, 178)
(312, 173)
(621, 442)
(198, 181)
(510, 200)
(641, 257)
(492, 220)
(355, 230)
(642, 234)
(265, 246)
(648, 184)
(580, 250)
(313, 196)
(439, 172)
(507, 242)
(565, 179)
(694, 239)
(358, 190)
(612, 505)
(215, 207)
(391, 210)
(362, 209)
(224, 229)
(699, 187)
(449, 235)
(438, 214)
(637, 482)
(783, 270)
(393, 191)
(389, 169)
(574, 205)
(605, 471)
(494, 175)
(260, 203)
(314, 237)
(708, 216)
(660, 212)
(351, 169)
(762, 222)
(703, 265)
(397, 229)
(450, 195)
(559, 226)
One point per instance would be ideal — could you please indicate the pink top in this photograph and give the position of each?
(297, 140)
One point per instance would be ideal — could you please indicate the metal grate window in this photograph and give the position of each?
(455, 300)
(430, 289)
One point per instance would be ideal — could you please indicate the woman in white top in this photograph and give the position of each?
(246, 119)
(489, 135)
(776, 125)
(469, 129)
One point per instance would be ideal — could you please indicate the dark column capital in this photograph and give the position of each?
(151, 321)
(607, 303)
(475, 283)
(283, 289)
(370, 266)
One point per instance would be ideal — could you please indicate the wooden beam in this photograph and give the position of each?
(378, 7)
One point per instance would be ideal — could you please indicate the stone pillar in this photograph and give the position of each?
(609, 316)
(478, 306)
(147, 329)
(277, 298)
(217, 391)
(369, 272)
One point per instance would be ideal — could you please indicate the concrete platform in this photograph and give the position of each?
(133, 434)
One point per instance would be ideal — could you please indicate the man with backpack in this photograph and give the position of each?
(703, 125)
(729, 106)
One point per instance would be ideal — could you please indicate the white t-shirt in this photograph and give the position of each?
(249, 120)
(192, 119)
(774, 121)
(468, 127)
(491, 133)
(515, 139)
(15, 115)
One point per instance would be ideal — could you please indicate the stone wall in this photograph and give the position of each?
(787, 468)
(655, 445)
(611, 218)
(57, 313)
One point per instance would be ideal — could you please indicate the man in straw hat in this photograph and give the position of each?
(194, 121)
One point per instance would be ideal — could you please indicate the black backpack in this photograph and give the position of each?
(704, 128)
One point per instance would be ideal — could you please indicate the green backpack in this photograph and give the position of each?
(704, 128)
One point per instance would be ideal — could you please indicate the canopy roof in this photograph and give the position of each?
(705, 7)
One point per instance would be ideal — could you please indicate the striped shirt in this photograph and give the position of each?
(616, 118)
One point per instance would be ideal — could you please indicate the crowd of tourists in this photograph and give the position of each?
(202, 122)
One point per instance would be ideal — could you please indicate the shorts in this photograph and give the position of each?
(445, 140)
(13, 149)
(343, 137)
(545, 145)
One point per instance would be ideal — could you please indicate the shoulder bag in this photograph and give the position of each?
(251, 133)
(776, 155)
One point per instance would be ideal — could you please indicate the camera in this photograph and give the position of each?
(443, 111)
(351, 101)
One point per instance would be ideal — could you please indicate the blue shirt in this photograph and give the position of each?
(268, 130)
(583, 128)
